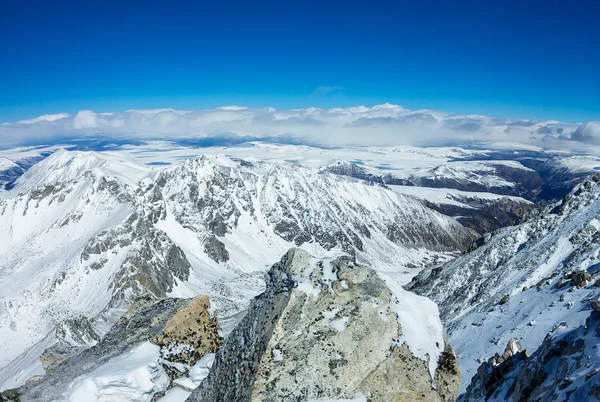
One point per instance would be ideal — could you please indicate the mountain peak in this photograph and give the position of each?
(65, 165)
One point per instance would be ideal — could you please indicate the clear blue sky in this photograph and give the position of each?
(535, 59)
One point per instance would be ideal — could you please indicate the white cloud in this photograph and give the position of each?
(233, 107)
(588, 132)
(382, 125)
(45, 117)
(86, 119)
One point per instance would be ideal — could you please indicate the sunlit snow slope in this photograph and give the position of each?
(522, 281)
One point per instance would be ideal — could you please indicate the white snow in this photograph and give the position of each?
(561, 250)
(332, 320)
(339, 325)
(132, 377)
(422, 329)
(26, 365)
(277, 355)
(6, 164)
(197, 373)
(448, 196)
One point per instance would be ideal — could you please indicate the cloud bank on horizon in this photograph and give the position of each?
(380, 125)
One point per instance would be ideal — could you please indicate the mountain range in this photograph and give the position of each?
(505, 246)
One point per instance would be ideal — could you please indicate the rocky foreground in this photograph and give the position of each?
(324, 330)
(178, 331)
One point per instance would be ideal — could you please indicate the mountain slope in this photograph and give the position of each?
(522, 281)
(482, 212)
(81, 241)
(16, 161)
(564, 368)
(65, 166)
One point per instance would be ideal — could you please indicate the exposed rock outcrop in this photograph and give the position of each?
(74, 335)
(564, 368)
(190, 333)
(580, 278)
(324, 329)
(484, 215)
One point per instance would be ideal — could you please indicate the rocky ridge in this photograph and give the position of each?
(521, 281)
(328, 329)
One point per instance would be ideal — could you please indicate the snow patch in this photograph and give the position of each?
(134, 376)
(175, 394)
(277, 355)
(422, 329)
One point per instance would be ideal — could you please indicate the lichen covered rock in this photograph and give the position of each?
(190, 333)
(324, 329)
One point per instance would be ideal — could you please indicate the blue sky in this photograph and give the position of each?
(530, 59)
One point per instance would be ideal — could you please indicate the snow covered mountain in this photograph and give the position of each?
(564, 368)
(83, 234)
(522, 281)
(65, 166)
(16, 161)
(484, 191)
(534, 176)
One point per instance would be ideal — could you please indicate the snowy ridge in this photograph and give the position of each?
(133, 376)
(447, 196)
(14, 162)
(6, 164)
(41, 272)
(518, 283)
(65, 166)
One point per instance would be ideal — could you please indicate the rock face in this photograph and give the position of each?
(483, 215)
(564, 368)
(182, 328)
(490, 374)
(324, 329)
(190, 333)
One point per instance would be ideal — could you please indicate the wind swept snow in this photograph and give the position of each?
(132, 377)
